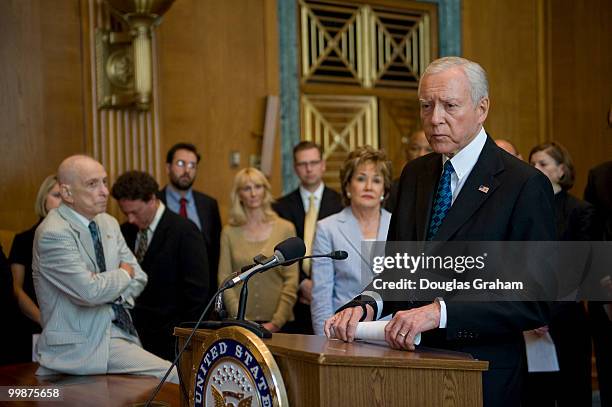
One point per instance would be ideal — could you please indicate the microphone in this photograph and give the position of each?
(338, 255)
(286, 252)
(335, 255)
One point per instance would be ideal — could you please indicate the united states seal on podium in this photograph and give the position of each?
(236, 370)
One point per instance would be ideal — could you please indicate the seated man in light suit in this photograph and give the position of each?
(85, 278)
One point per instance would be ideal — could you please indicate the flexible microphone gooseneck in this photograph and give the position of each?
(288, 250)
(285, 253)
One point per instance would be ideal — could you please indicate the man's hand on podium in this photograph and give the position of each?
(343, 324)
(405, 325)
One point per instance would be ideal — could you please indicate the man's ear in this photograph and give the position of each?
(168, 168)
(66, 193)
(483, 109)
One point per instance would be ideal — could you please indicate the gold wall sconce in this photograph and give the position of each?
(124, 61)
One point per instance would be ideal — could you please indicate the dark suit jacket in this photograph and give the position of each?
(518, 206)
(599, 193)
(210, 219)
(177, 290)
(573, 218)
(291, 207)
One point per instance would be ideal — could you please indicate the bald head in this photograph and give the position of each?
(417, 146)
(508, 147)
(69, 169)
(83, 185)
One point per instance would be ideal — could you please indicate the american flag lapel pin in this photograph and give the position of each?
(483, 188)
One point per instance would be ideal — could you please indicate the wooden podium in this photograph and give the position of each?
(322, 372)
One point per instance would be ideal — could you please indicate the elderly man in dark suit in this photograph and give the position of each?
(311, 201)
(170, 249)
(467, 190)
(182, 165)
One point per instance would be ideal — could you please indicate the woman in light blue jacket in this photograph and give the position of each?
(366, 179)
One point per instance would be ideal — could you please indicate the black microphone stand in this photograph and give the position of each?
(252, 326)
(239, 321)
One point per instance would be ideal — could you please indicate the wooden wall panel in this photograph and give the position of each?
(503, 36)
(581, 82)
(41, 106)
(549, 71)
(121, 139)
(218, 61)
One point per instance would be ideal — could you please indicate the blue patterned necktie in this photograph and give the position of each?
(122, 319)
(442, 202)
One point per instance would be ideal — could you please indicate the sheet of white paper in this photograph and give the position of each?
(34, 341)
(375, 331)
(541, 353)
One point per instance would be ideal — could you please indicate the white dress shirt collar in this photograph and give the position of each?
(464, 161)
(318, 195)
(158, 214)
(80, 217)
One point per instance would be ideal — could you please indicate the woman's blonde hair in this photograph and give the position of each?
(41, 198)
(238, 216)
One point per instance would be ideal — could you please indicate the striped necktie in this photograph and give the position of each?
(122, 318)
(141, 249)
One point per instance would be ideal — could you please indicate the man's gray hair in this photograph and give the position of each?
(477, 77)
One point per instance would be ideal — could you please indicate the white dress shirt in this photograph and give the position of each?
(463, 162)
(318, 195)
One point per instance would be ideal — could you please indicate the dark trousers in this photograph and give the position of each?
(571, 385)
(601, 329)
(302, 324)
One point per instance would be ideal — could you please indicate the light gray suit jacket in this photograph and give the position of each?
(336, 282)
(74, 297)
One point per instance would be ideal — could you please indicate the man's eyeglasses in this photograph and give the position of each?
(305, 164)
(189, 165)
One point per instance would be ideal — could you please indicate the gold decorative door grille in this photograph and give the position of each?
(339, 124)
(399, 46)
(331, 47)
(363, 45)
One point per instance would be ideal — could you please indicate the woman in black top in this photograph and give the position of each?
(20, 259)
(569, 328)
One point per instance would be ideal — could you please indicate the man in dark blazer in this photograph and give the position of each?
(171, 250)
(309, 166)
(599, 193)
(179, 196)
(482, 194)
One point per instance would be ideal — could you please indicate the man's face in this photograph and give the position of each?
(418, 146)
(138, 212)
(449, 117)
(182, 171)
(309, 167)
(88, 192)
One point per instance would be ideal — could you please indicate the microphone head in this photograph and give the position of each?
(339, 255)
(290, 249)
